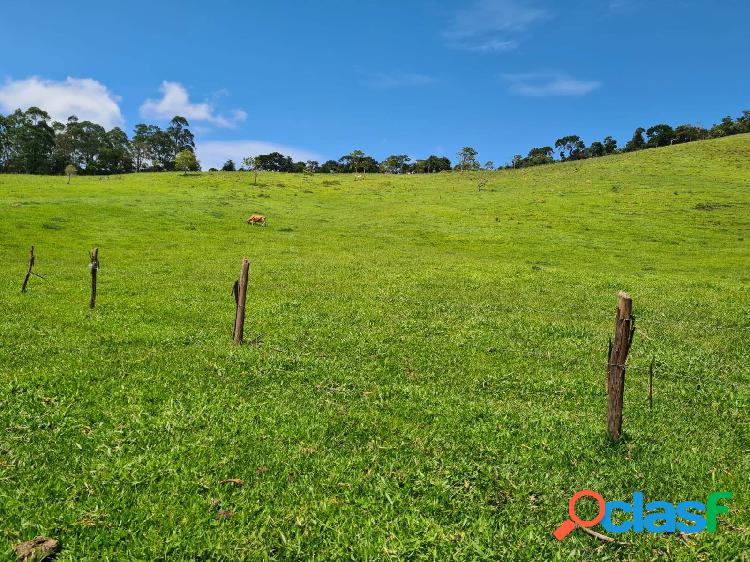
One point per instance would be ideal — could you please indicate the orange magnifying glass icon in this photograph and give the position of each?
(563, 530)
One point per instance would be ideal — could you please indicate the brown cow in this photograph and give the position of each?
(257, 219)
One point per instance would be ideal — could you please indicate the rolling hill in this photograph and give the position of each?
(424, 370)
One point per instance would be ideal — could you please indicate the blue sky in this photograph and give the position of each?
(318, 79)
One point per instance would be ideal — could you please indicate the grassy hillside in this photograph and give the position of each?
(424, 374)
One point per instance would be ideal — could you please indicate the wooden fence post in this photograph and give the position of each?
(618, 356)
(94, 265)
(240, 299)
(32, 259)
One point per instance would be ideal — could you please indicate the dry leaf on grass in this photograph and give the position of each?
(234, 482)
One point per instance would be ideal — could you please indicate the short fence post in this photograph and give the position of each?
(240, 298)
(618, 356)
(94, 265)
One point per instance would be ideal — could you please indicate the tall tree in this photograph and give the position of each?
(467, 159)
(597, 149)
(179, 132)
(395, 164)
(330, 167)
(689, 133)
(353, 161)
(161, 149)
(29, 142)
(637, 142)
(659, 135)
(141, 146)
(274, 162)
(610, 145)
(570, 147)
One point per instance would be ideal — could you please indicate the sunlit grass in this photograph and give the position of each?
(424, 373)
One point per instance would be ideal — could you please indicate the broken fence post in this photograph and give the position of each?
(94, 265)
(240, 299)
(618, 356)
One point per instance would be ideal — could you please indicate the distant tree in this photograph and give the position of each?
(330, 167)
(689, 133)
(180, 135)
(489, 165)
(312, 167)
(115, 154)
(743, 122)
(431, 165)
(395, 164)
(726, 128)
(610, 145)
(538, 156)
(659, 135)
(353, 161)
(597, 149)
(250, 163)
(571, 147)
(637, 142)
(70, 171)
(229, 166)
(187, 162)
(274, 162)
(467, 159)
(140, 146)
(28, 143)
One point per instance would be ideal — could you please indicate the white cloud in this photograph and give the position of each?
(487, 26)
(83, 97)
(489, 46)
(622, 5)
(212, 154)
(176, 101)
(389, 81)
(545, 84)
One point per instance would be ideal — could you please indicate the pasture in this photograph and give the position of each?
(423, 373)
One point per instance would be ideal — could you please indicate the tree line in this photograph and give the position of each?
(572, 147)
(32, 143)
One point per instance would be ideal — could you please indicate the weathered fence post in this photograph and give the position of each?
(32, 259)
(240, 298)
(236, 294)
(94, 268)
(618, 356)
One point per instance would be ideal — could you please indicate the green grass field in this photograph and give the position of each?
(424, 369)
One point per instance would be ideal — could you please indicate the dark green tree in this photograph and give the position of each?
(637, 142)
(395, 164)
(659, 135)
(570, 147)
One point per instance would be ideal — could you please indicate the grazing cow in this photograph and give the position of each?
(257, 219)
